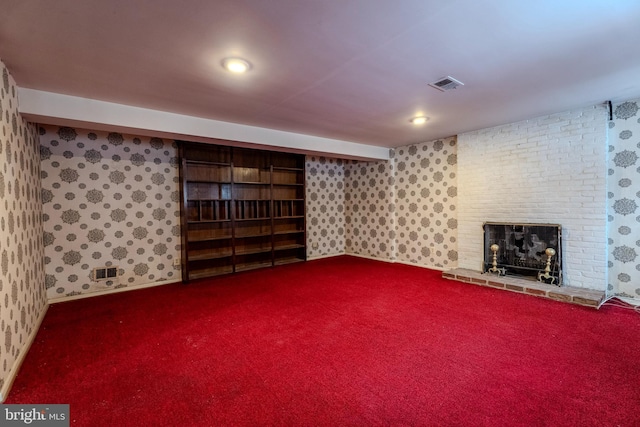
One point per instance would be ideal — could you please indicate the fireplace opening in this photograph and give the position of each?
(531, 250)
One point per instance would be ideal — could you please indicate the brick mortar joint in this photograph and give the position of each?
(587, 298)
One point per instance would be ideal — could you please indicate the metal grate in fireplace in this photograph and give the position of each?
(533, 250)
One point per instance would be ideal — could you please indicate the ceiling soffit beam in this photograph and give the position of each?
(64, 110)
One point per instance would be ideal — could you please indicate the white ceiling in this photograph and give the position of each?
(352, 70)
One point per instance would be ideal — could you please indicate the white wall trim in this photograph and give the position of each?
(113, 291)
(313, 258)
(368, 257)
(428, 267)
(57, 109)
(631, 301)
(391, 261)
(13, 373)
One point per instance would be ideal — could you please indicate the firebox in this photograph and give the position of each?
(533, 250)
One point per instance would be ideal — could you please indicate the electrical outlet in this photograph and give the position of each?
(176, 262)
(314, 245)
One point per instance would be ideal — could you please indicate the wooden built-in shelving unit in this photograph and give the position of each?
(241, 209)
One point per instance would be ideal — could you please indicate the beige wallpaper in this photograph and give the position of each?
(22, 296)
(426, 199)
(325, 207)
(399, 210)
(624, 200)
(109, 200)
(370, 209)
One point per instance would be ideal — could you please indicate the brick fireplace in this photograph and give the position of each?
(525, 258)
(547, 170)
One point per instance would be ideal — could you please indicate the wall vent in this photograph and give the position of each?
(105, 273)
(446, 83)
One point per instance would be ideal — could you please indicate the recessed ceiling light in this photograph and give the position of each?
(419, 120)
(236, 65)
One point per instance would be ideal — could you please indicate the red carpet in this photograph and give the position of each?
(335, 342)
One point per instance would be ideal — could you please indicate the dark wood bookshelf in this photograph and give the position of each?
(241, 209)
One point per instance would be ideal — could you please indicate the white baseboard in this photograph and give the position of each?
(113, 291)
(11, 376)
(430, 267)
(630, 301)
(395, 261)
(369, 257)
(313, 258)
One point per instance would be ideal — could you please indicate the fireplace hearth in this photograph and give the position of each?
(527, 250)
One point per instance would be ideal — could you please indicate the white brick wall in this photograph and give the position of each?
(550, 169)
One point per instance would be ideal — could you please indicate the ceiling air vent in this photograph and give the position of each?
(446, 83)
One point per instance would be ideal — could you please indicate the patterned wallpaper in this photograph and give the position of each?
(325, 207)
(624, 200)
(426, 199)
(109, 200)
(401, 210)
(370, 209)
(22, 296)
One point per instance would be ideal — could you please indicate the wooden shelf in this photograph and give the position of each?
(288, 169)
(283, 232)
(252, 266)
(210, 239)
(284, 261)
(253, 251)
(287, 247)
(209, 256)
(207, 163)
(242, 209)
(249, 236)
(209, 272)
(207, 181)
